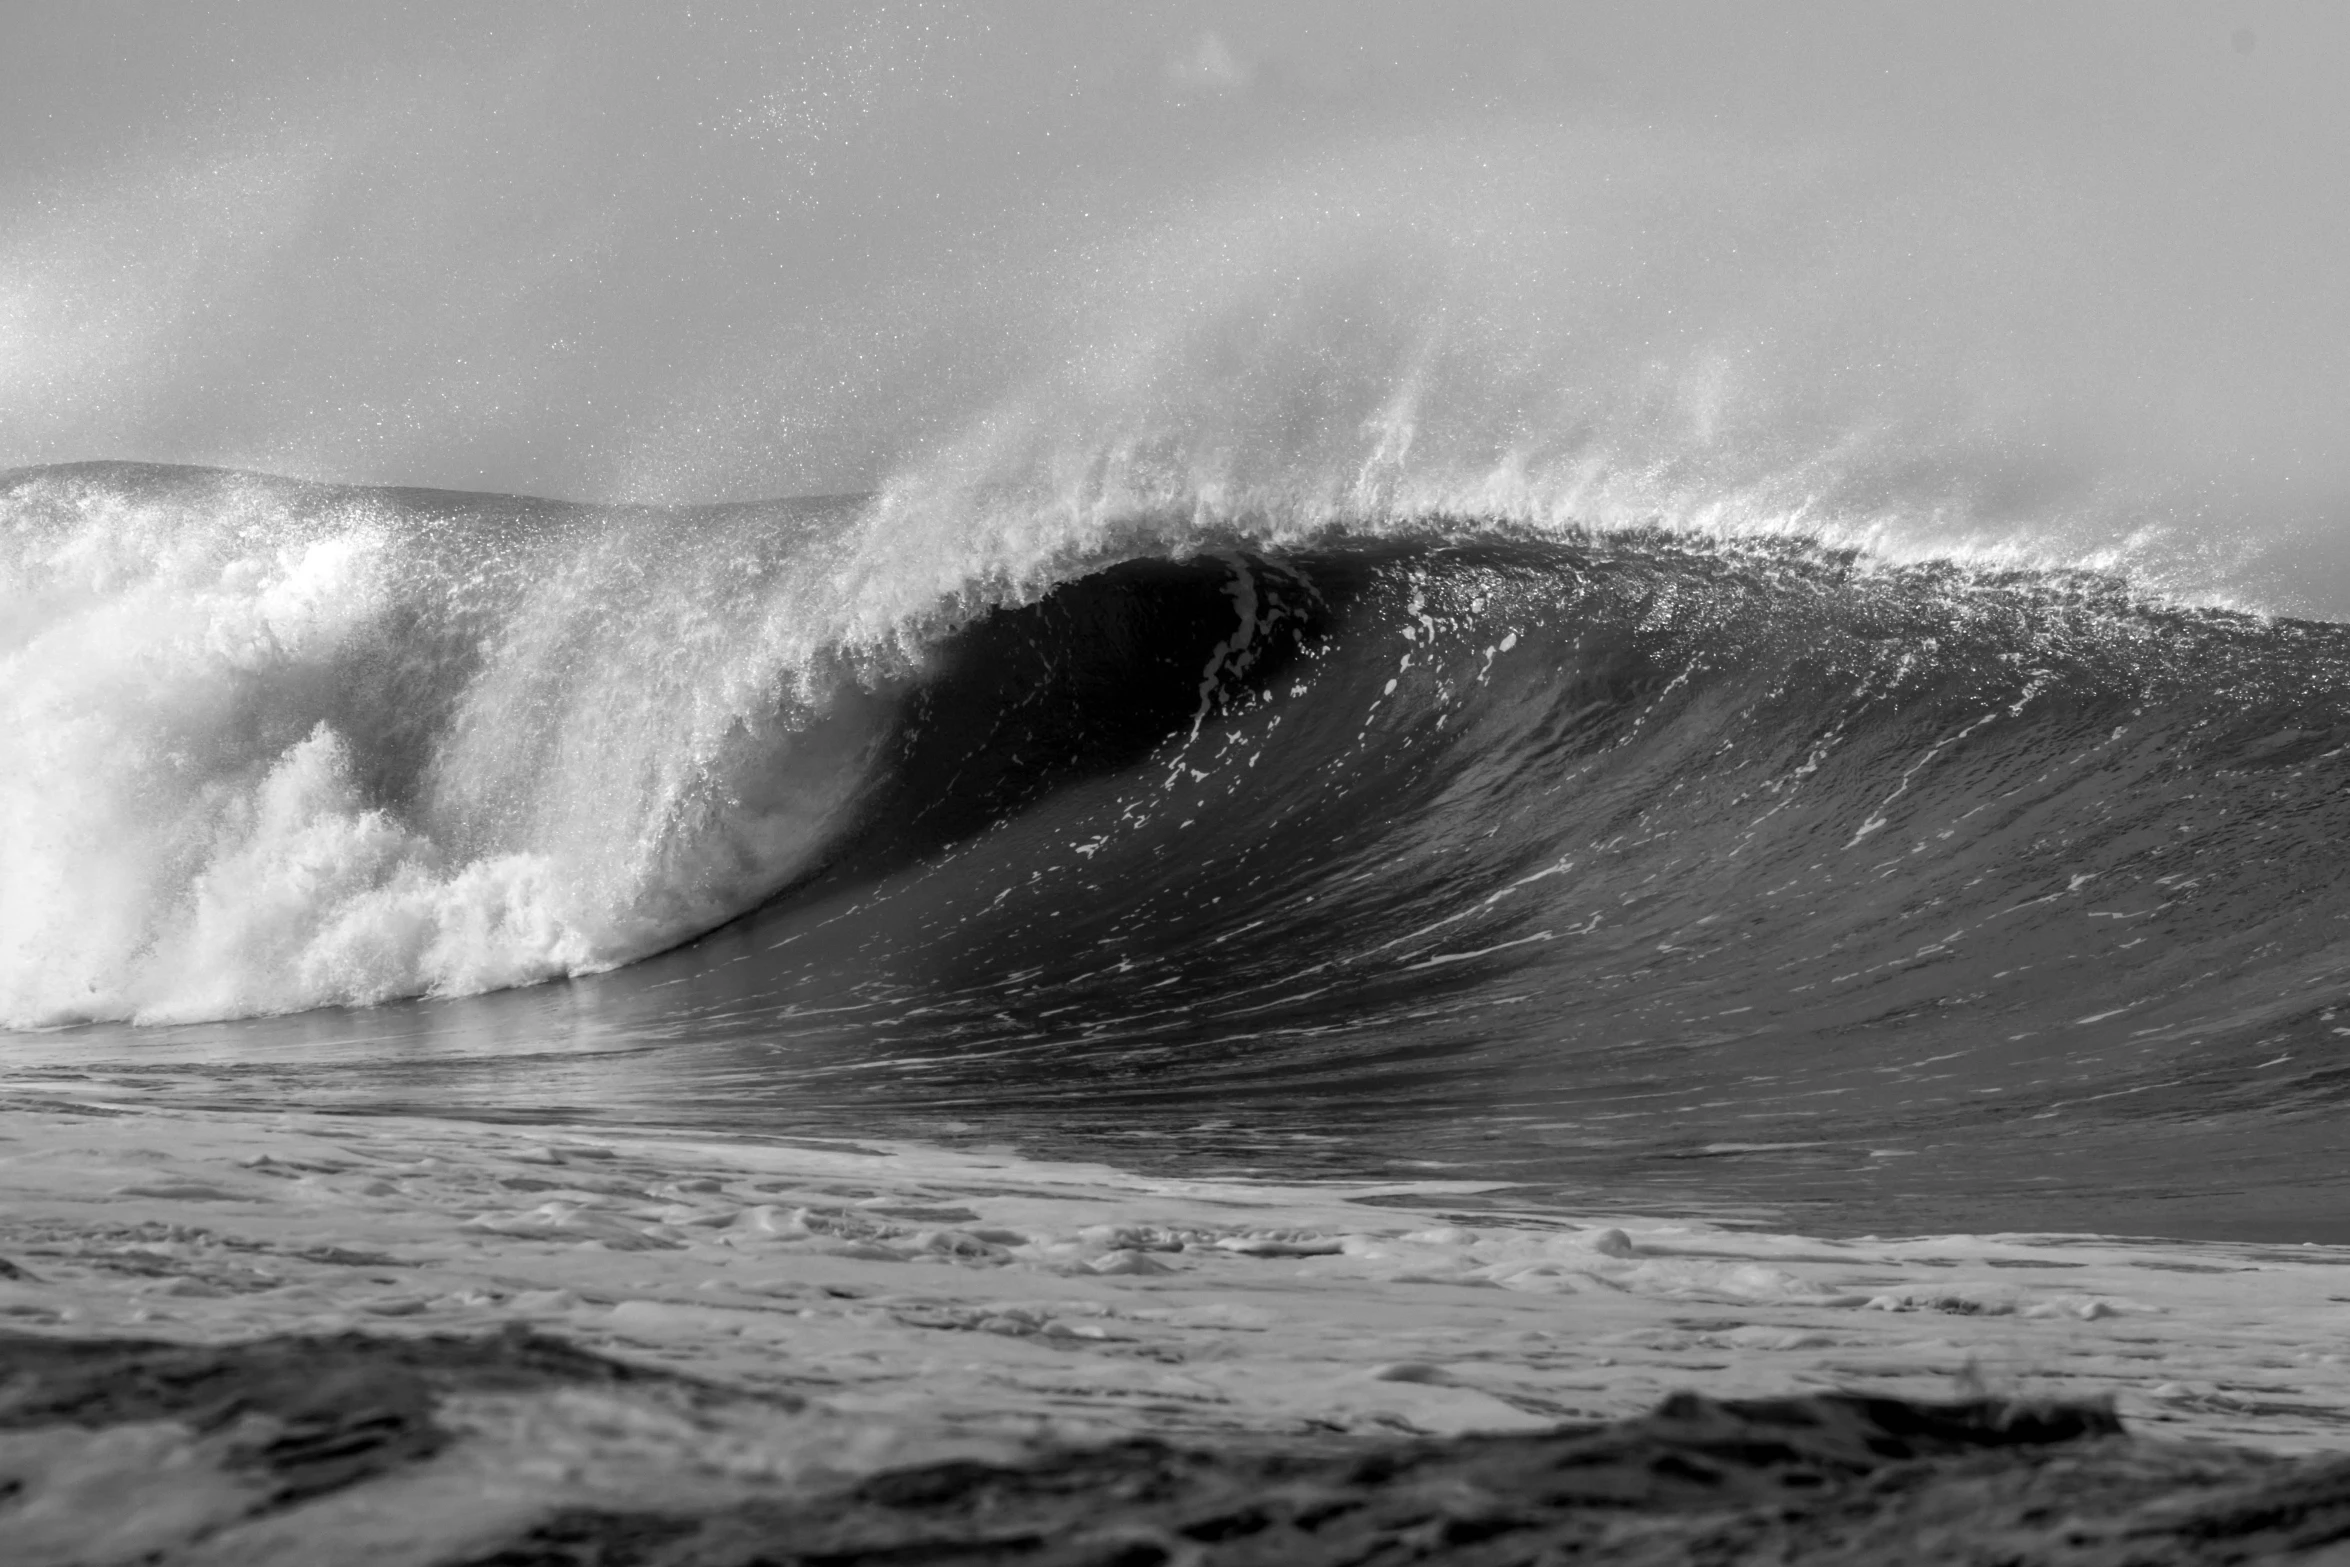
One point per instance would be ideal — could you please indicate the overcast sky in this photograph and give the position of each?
(678, 251)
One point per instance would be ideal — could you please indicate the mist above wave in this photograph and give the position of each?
(1607, 328)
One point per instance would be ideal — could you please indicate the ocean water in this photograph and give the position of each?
(1829, 877)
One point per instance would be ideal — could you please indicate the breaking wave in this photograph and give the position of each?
(281, 746)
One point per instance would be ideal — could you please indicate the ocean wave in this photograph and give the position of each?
(285, 746)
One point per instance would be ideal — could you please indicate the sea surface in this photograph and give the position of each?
(1754, 875)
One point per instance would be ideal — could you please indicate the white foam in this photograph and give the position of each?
(966, 1288)
(274, 749)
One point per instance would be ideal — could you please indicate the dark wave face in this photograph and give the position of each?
(1621, 867)
(1564, 856)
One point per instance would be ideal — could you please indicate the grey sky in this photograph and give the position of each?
(691, 251)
